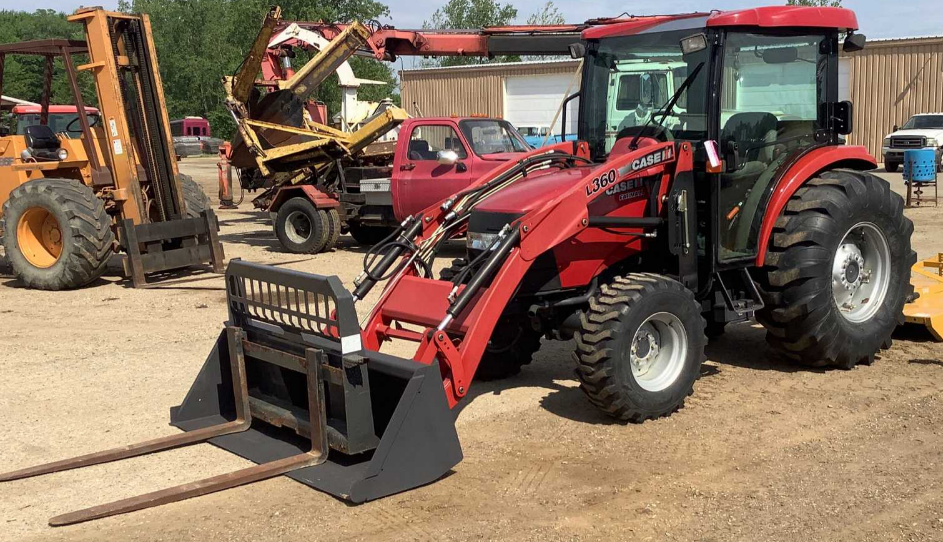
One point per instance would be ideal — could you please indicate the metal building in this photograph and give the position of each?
(890, 80)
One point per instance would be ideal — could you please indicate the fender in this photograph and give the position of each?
(806, 167)
(319, 198)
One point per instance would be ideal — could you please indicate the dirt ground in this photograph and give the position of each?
(762, 451)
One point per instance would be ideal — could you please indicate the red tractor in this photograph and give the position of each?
(726, 193)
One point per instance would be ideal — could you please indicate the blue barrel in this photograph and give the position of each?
(920, 165)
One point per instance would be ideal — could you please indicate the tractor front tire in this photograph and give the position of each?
(56, 234)
(512, 345)
(837, 272)
(194, 197)
(640, 347)
(301, 227)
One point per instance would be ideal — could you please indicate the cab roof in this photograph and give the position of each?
(765, 17)
(28, 109)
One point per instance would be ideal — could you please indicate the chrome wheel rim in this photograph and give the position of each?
(861, 272)
(298, 227)
(658, 351)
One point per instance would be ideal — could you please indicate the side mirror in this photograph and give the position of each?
(577, 50)
(854, 42)
(895, 128)
(447, 158)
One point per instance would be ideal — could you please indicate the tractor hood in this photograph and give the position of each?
(527, 194)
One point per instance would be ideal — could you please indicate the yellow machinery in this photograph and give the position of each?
(68, 204)
(927, 309)
(275, 133)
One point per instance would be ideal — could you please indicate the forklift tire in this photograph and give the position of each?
(837, 271)
(56, 234)
(368, 235)
(193, 196)
(640, 347)
(512, 345)
(300, 227)
(334, 229)
(891, 167)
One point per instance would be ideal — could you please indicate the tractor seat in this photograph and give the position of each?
(42, 142)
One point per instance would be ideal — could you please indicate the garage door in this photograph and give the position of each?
(532, 101)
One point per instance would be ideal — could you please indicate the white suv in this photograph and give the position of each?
(921, 131)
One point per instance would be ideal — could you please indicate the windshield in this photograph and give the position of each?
(627, 79)
(58, 122)
(921, 122)
(488, 136)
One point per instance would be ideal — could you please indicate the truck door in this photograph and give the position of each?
(421, 179)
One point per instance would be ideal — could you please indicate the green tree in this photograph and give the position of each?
(817, 3)
(547, 15)
(470, 14)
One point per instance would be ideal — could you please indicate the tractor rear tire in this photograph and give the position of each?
(512, 345)
(891, 167)
(194, 197)
(334, 229)
(56, 234)
(368, 235)
(837, 271)
(640, 347)
(300, 227)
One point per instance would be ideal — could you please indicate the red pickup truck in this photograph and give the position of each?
(431, 159)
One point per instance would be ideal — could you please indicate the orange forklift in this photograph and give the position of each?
(69, 203)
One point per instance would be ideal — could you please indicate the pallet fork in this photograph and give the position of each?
(289, 387)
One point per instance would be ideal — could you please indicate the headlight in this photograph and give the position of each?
(887, 142)
(25, 155)
(62, 154)
(932, 142)
(479, 241)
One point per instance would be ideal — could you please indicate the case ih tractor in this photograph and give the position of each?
(743, 202)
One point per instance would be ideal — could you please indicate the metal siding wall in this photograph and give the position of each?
(472, 90)
(889, 82)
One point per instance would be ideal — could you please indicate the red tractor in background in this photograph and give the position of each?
(731, 195)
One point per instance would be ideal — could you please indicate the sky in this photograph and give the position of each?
(878, 18)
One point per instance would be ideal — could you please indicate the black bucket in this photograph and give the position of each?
(389, 426)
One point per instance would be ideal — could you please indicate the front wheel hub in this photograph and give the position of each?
(659, 349)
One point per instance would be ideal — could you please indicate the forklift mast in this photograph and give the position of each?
(139, 149)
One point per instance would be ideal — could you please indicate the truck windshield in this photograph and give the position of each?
(488, 136)
(627, 79)
(922, 122)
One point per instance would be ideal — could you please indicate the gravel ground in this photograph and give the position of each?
(762, 451)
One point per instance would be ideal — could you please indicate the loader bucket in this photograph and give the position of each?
(389, 427)
(927, 309)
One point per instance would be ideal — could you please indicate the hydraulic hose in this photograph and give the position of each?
(391, 250)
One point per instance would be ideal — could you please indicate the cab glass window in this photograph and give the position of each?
(425, 142)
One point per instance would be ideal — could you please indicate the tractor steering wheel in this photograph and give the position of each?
(653, 131)
(91, 123)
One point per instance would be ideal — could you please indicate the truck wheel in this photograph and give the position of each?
(300, 227)
(891, 167)
(334, 229)
(368, 235)
(640, 347)
(194, 197)
(837, 271)
(56, 234)
(511, 346)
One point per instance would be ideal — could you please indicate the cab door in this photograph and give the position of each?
(422, 179)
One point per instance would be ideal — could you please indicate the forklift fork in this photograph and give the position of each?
(244, 413)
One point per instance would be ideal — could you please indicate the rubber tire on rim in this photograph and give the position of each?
(802, 320)
(891, 167)
(334, 229)
(368, 235)
(194, 197)
(319, 226)
(85, 226)
(450, 272)
(505, 360)
(607, 330)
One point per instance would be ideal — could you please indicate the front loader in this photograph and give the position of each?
(734, 197)
(69, 204)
